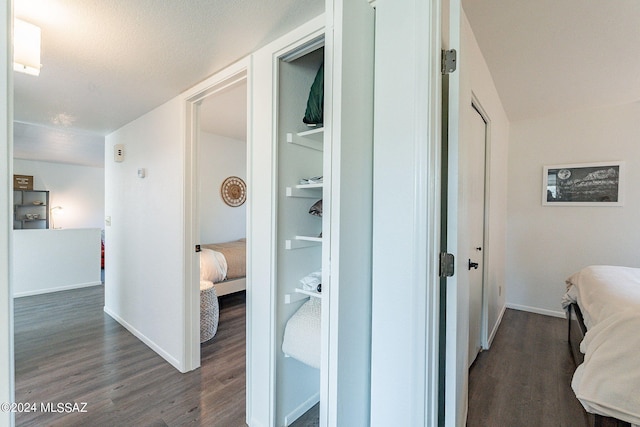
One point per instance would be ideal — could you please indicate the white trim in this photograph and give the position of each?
(149, 342)
(232, 75)
(7, 369)
(300, 410)
(495, 328)
(486, 244)
(58, 289)
(406, 149)
(261, 223)
(537, 310)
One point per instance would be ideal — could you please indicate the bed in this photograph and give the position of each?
(225, 265)
(603, 311)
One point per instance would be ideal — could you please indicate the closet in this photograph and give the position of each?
(287, 243)
(299, 236)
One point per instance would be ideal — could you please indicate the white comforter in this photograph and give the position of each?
(608, 382)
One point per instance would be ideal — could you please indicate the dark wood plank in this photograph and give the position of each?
(525, 378)
(68, 350)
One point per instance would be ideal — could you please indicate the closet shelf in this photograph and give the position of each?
(314, 294)
(299, 295)
(310, 138)
(299, 242)
(310, 191)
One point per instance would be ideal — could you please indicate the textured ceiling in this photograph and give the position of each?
(107, 62)
(547, 56)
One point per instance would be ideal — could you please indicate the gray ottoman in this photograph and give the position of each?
(209, 311)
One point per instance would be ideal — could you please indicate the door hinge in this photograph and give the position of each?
(449, 61)
(447, 264)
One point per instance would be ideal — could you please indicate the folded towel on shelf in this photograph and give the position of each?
(312, 180)
(311, 281)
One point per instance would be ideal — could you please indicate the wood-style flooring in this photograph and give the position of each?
(524, 379)
(68, 350)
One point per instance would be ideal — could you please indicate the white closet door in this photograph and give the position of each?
(475, 176)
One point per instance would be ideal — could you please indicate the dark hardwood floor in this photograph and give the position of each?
(524, 379)
(68, 350)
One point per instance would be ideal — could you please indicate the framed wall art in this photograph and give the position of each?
(583, 184)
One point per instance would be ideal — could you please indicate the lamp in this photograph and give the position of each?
(26, 48)
(56, 210)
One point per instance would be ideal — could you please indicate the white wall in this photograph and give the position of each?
(220, 157)
(546, 244)
(40, 266)
(78, 189)
(145, 257)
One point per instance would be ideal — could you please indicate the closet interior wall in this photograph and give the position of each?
(298, 156)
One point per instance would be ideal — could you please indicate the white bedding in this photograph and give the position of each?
(213, 266)
(608, 382)
(302, 334)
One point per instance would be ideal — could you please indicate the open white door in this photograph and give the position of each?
(406, 221)
(457, 293)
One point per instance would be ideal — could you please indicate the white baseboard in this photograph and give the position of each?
(536, 310)
(495, 327)
(58, 289)
(152, 345)
(300, 410)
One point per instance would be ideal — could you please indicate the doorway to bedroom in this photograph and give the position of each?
(219, 123)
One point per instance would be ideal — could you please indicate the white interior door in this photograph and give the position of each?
(476, 194)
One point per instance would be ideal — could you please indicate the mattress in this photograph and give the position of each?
(235, 254)
(608, 381)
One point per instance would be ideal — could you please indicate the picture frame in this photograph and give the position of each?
(583, 184)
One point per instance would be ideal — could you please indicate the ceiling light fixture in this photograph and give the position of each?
(26, 48)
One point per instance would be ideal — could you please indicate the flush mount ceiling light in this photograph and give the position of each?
(26, 48)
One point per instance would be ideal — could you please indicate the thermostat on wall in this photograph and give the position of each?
(118, 153)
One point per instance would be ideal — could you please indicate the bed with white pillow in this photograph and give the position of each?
(225, 264)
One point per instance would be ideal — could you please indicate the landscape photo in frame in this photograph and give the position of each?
(587, 184)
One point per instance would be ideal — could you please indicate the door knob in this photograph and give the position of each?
(473, 265)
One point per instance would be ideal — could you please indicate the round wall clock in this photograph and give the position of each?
(233, 191)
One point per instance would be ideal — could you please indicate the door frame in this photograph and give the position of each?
(486, 247)
(7, 374)
(262, 219)
(405, 324)
(230, 76)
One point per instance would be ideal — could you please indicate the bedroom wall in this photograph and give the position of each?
(220, 157)
(78, 189)
(546, 244)
(476, 81)
(145, 260)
